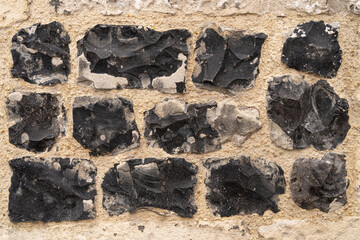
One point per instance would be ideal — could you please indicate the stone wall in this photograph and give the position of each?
(179, 119)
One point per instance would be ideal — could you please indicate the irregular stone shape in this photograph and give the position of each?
(38, 120)
(178, 127)
(313, 47)
(41, 54)
(141, 183)
(122, 56)
(105, 125)
(13, 11)
(227, 59)
(243, 186)
(51, 190)
(302, 115)
(321, 183)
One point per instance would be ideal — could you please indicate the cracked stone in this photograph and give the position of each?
(227, 59)
(41, 54)
(302, 115)
(51, 190)
(320, 183)
(38, 120)
(313, 47)
(150, 183)
(179, 127)
(243, 186)
(105, 125)
(115, 57)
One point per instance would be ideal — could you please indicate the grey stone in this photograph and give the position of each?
(150, 183)
(243, 186)
(51, 190)
(320, 183)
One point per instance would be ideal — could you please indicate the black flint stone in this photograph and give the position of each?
(138, 54)
(229, 60)
(39, 120)
(105, 125)
(320, 183)
(243, 186)
(51, 190)
(167, 184)
(313, 47)
(308, 114)
(41, 54)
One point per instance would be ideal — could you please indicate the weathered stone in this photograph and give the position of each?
(179, 127)
(13, 11)
(142, 183)
(243, 186)
(321, 183)
(302, 115)
(105, 125)
(38, 120)
(313, 47)
(41, 54)
(111, 56)
(227, 59)
(51, 190)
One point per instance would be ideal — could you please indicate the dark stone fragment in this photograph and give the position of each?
(313, 47)
(51, 190)
(306, 114)
(114, 57)
(321, 183)
(41, 54)
(39, 120)
(105, 125)
(167, 184)
(227, 59)
(243, 186)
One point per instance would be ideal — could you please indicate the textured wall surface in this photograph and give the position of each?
(273, 18)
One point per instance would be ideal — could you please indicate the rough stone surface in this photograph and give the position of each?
(227, 59)
(48, 190)
(243, 186)
(142, 183)
(122, 56)
(41, 54)
(302, 115)
(321, 183)
(38, 120)
(13, 11)
(179, 127)
(105, 125)
(313, 47)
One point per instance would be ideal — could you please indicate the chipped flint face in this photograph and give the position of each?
(304, 115)
(313, 47)
(243, 186)
(51, 190)
(120, 56)
(41, 54)
(150, 183)
(105, 125)
(227, 59)
(320, 183)
(179, 127)
(37, 120)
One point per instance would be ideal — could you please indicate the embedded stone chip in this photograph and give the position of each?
(121, 56)
(243, 186)
(41, 54)
(227, 59)
(105, 125)
(150, 183)
(313, 47)
(320, 183)
(302, 115)
(51, 189)
(179, 127)
(37, 120)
